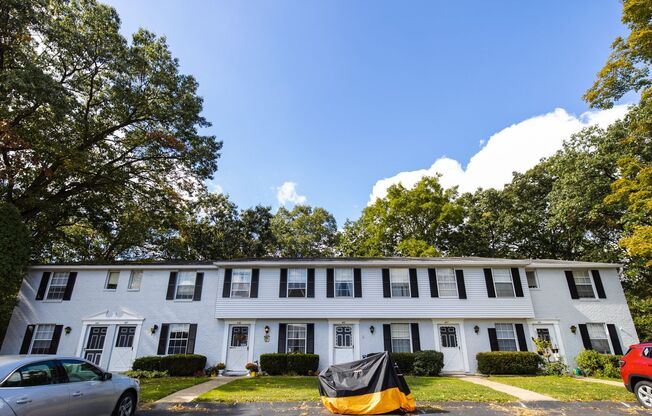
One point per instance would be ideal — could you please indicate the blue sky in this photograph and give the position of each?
(335, 96)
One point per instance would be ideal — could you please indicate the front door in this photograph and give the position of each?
(449, 341)
(123, 348)
(546, 332)
(95, 344)
(343, 344)
(238, 352)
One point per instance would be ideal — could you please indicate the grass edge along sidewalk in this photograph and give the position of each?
(296, 389)
(152, 389)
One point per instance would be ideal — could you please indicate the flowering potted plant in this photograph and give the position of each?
(253, 369)
(220, 368)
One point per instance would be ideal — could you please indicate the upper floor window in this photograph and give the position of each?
(240, 283)
(503, 283)
(400, 283)
(178, 338)
(401, 341)
(112, 281)
(185, 285)
(506, 337)
(599, 338)
(584, 284)
(532, 281)
(297, 335)
(135, 278)
(343, 283)
(297, 283)
(42, 339)
(447, 283)
(57, 286)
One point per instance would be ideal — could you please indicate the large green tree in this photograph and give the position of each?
(304, 231)
(97, 132)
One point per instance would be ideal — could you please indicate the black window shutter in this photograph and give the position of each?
(172, 284)
(192, 336)
(489, 281)
(27, 339)
(199, 282)
(571, 285)
(42, 287)
(357, 283)
(72, 277)
(414, 283)
(310, 338)
(226, 288)
(432, 277)
(493, 339)
(416, 340)
(387, 337)
(598, 284)
(282, 334)
(516, 278)
(163, 339)
(586, 340)
(255, 278)
(330, 283)
(311, 283)
(283, 285)
(520, 335)
(56, 336)
(387, 289)
(461, 286)
(615, 342)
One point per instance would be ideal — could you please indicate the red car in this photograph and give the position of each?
(636, 371)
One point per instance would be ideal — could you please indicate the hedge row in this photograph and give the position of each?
(175, 365)
(504, 362)
(292, 364)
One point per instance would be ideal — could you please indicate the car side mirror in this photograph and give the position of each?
(107, 376)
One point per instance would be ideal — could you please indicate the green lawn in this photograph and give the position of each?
(291, 389)
(569, 389)
(152, 389)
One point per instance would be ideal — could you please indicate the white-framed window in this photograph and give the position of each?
(42, 339)
(178, 338)
(532, 281)
(506, 337)
(297, 283)
(447, 283)
(135, 278)
(401, 340)
(296, 337)
(599, 338)
(57, 285)
(400, 283)
(503, 283)
(343, 283)
(185, 285)
(240, 283)
(584, 284)
(112, 280)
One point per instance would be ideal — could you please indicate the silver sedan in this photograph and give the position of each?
(50, 385)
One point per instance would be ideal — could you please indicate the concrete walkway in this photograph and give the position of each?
(598, 380)
(189, 394)
(521, 394)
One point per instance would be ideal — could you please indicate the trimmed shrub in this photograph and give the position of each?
(175, 365)
(404, 361)
(274, 364)
(428, 363)
(302, 364)
(504, 362)
(593, 363)
(555, 368)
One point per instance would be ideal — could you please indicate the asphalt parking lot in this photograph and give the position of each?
(451, 409)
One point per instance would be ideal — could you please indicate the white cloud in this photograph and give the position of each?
(516, 148)
(288, 193)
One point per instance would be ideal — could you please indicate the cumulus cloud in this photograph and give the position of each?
(287, 193)
(516, 148)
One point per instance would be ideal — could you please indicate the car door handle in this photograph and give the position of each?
(77, 394)
(23, 400)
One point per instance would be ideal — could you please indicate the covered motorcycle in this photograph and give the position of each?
(368, 386)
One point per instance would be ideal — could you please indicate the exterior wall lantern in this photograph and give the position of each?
(153, 329)
(476, 329)
(372, 329)
(267, 329)
(67, 329)
(573, 329)
(266, 336)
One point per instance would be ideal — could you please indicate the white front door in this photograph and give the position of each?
(123, 348)
(450, 343)
(95, 344)
(343, 344)
(238, 350)
(547, 332)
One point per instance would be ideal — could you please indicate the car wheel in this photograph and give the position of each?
(643, 392)
(126, 405)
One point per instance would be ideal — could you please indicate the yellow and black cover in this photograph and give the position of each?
(368, 386)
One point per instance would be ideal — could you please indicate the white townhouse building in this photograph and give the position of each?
(340, 308)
